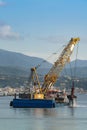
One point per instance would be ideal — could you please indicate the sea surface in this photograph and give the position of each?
(59, 118)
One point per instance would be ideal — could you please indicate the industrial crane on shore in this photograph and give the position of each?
(51, 77)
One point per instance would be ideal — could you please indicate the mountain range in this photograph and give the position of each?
(13, 59)
(12, 63)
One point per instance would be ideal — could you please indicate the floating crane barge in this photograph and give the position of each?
(39, 99)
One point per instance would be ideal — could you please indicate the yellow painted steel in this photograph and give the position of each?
(54, 73)
(75, 40)
(38, 96)
(58, 66)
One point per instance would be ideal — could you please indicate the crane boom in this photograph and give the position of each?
(58, 66)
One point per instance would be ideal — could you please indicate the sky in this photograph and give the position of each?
(40, 28)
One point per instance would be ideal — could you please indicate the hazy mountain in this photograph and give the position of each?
(13, 59)
(15, 68)
(78, 63)
(77, 68)
(12, 63)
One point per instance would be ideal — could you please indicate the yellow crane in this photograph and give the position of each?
(58, 66)
(51, 77)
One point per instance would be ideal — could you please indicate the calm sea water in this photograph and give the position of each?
(59, 118)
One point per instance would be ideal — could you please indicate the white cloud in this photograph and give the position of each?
(2, 3)
(7, 33)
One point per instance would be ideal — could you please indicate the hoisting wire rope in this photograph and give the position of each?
(55, 53)
(43, 61)
(76, 62)
(65, 68)
(73, 73)
(71, 70)
(64, 71)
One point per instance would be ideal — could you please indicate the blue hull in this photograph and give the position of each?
(32, 103)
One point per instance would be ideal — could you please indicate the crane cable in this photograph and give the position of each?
(76, 61)
(73, 73)
(43, 61)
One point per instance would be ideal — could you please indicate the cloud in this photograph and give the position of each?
(2, 3)
(6, 32)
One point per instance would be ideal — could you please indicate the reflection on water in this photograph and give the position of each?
(59, 118)
(71, 110)
(36, 112)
